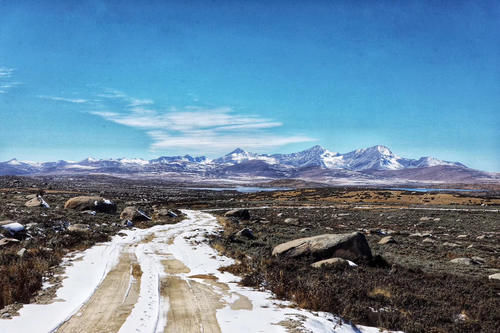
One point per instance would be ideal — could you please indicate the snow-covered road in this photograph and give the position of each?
(163, 279)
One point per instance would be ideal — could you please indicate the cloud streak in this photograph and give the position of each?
(63, 99)
(6, 74)
(192, 128)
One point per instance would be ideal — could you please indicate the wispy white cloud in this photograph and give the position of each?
(191, 128)
(214, 142)
(6, 74)
(64, 99)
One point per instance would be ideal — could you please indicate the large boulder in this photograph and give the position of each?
(94, 203)
(133, 214)
(348, 246)
(243, 214)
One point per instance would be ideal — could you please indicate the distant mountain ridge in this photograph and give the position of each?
(373, 158)
(316, 163)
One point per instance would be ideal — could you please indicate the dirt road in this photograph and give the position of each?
(165, 279)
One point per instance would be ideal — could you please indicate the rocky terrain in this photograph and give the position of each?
(418, 262)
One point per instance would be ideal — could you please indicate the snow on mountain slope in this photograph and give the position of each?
(376, 157)
(362, 160)
(239, 155)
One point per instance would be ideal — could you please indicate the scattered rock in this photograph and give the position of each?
(495, 276)
(428, 240)
(21, 252)
(90, 212)
(247, 233)
(425, 218)
(33, 203)
(79, 228)
(449, 244)
(462, 236)
(95, 203)
(163, 213)
(336, 263)
(133, 214)
(13, 227)
(479, 260)
(481, 237)
(243, 214)
(326, 246)
(387, 240)
(5, 241)
(466, 261)
(291, 220)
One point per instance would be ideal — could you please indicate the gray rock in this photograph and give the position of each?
(336, 263)
(495, 276)
(133, 214)
(5, 241)
(325, 246)
(243, 214)
(291, 220)
(247, 233)
(449, 244)
(79, 228)
(464, 261)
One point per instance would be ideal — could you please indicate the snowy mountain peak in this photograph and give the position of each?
(89, 160)
(316, 149)
(13, 162)
(237, 151)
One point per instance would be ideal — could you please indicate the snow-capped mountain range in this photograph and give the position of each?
(315, 162)
(373, 158)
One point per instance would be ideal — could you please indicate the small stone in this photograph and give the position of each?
(449, 244)
(336, 263)
(463, 261)
(79, 228)
(495, 276)
(21, 252)
(479, 260)
(462, 236)
(387, 240)
(247, 233)
(291, 220)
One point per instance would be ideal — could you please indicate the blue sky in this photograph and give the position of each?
(123, 78)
